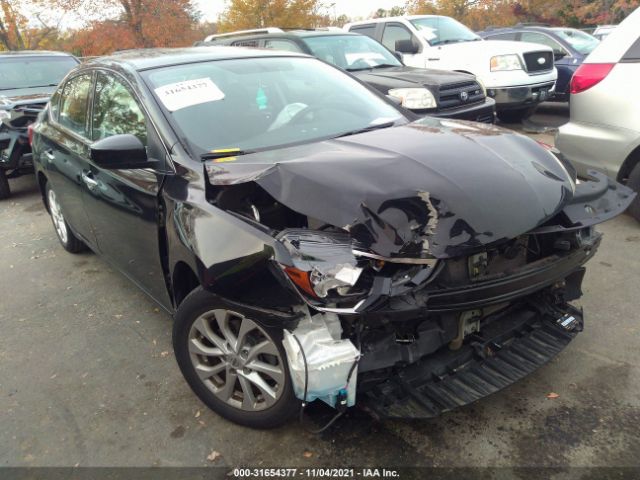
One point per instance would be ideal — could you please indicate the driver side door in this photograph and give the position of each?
(123, 205)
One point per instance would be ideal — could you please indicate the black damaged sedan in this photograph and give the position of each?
(313, 241)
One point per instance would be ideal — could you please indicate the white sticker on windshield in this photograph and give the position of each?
(176, 96)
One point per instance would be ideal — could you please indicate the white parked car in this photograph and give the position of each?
(518, 75)
(604, 130)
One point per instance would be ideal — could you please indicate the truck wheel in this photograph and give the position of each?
(235, 365)
(515, 116)
(5, 191)
(634, 183)
(68, 240)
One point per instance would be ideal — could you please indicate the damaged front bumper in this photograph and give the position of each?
(510, 347)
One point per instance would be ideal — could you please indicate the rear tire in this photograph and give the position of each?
(5, 191)
(232, 362)
(515, 116)
(68, 240)
(634, 183)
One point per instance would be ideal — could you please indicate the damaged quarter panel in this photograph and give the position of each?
(230, 257)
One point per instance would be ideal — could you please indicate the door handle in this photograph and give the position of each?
(49, 154)
(89, 181)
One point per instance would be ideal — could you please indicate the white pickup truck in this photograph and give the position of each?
(517, 75)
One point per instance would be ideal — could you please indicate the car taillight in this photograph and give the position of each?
(30, 134)
(589, 75)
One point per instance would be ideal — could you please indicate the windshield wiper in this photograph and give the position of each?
(367, 129)
(226, 153)
(382, 65)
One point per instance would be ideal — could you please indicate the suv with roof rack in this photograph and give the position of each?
(570, 47)
(517, 75)
(424, 92)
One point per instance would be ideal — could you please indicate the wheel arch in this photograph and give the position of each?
(184, 281)
(42, 185)
(629, 164)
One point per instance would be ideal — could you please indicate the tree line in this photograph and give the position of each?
(103, 26)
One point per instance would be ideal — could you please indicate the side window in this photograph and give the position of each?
(54, 103)
(286, 45)
(368, 30)
(246, 43)
(543, 40)
(73, 104)
(633, 54)
(394, 32)
(115, 110)
(502, 36)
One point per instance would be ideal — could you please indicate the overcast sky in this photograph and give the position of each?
(352, 8)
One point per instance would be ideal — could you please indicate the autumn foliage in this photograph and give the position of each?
(104, 26)
(479, 14)
(246, 14)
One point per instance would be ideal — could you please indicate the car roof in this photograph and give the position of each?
(34, 53)
(144, 59)
(291, 34)
(393, 19)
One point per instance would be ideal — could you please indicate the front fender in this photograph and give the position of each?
(231, 258)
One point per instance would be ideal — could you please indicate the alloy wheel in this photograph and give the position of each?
(58, 218)
(237, 360)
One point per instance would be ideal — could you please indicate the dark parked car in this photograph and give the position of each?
(570, 47)
(27, 80)
(313, 239)
(441, 93)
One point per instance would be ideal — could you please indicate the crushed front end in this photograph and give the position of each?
(414, 301)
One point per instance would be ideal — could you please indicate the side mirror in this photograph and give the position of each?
(558, 55)
(407, 46)
(398, 55)
(119, 152)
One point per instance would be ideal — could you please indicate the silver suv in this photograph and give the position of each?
(604, 130)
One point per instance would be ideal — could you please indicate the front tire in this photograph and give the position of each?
(634, 183)
(5, 190)
(232, 362)
(68, 240)
(515, 116)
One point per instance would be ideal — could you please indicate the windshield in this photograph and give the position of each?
(261, 103)
(580, 41)
(352, 52)
(31, 72)
(443, 30)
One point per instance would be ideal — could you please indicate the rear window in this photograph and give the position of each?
(368, 30)
(501, 36)
(633, 54)
(33, 71)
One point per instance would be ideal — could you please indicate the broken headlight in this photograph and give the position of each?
(322, 265)
(329, 268)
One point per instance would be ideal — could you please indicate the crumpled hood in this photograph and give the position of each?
(24, 96)
(433, 187)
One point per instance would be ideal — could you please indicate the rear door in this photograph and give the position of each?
(66, 149)
(123, 205)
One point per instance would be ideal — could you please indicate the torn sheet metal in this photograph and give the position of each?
(430, 188)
